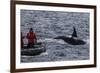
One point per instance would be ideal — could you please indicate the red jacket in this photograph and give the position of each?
(31, 37)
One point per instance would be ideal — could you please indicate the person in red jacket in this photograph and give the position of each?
(31, 38)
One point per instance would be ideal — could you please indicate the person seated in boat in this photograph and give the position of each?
(22, 45)
(31, 36)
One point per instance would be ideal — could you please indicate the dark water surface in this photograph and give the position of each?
(50, 24)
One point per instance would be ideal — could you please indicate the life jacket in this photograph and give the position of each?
(31, 37)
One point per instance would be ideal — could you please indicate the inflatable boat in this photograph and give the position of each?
(37, 50)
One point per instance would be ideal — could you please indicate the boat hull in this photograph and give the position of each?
(32, 51)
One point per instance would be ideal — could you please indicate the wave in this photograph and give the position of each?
(44, 54)
(87, 40)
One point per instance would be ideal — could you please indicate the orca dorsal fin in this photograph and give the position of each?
(74, 34)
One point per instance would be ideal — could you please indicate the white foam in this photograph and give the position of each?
(87, 40)
(52, 40)
(44, 54)
(59, 41)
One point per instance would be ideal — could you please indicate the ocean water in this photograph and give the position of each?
(49, 24)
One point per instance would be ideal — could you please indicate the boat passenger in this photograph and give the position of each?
(31, 36)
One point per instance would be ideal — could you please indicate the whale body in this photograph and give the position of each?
(73, 40)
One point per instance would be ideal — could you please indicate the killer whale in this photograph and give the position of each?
(73, 40)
